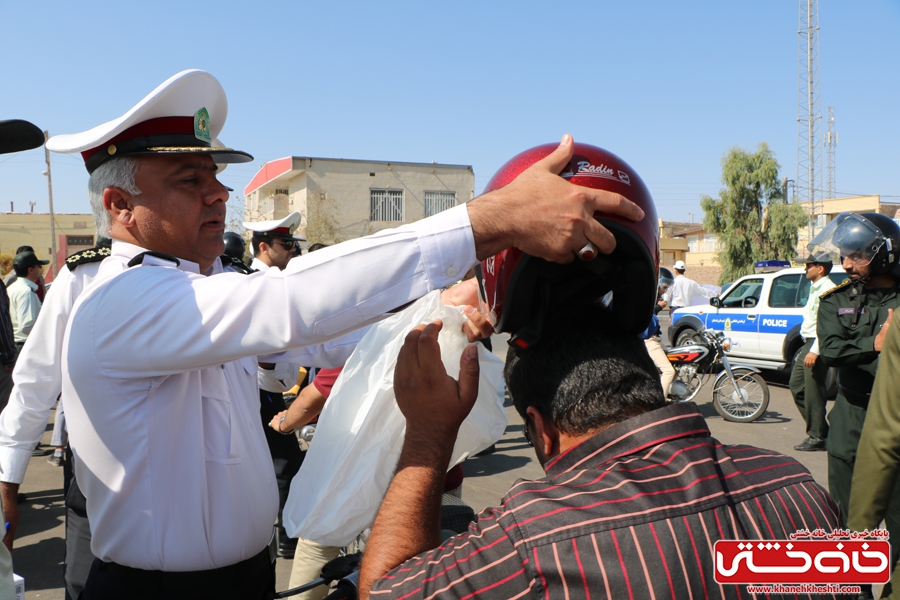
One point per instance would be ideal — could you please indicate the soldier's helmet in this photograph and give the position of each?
(234, 245)
(666, 278)
(867, 239)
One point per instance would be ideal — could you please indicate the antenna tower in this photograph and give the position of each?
(831, 140)
(808, 117)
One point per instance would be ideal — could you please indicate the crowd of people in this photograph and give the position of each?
(172, 355)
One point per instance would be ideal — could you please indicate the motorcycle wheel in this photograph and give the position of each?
(746, 403)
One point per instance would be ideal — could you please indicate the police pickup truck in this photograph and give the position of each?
(761, 313)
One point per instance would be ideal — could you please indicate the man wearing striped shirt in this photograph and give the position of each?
(636, 492)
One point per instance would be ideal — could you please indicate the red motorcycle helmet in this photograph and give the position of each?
(518, 290)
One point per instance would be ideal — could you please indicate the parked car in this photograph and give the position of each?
(761, 313)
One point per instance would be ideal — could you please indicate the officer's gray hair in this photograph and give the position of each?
(117, 173)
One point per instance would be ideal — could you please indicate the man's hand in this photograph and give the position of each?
(408, 522)
(10, 494)
(882, 334)
(434, 404)
(465, 294)
(277, 424)
(810, 361)
(544, 215)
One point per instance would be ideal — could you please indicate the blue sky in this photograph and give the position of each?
(668, 86)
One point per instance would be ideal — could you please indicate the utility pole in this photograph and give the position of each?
(808, 117)
(52, 215)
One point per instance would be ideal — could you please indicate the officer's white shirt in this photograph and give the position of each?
(683, 289)
(38, 377)
(159, 376)
(258, 265)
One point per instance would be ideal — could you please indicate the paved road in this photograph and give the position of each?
(39, 549)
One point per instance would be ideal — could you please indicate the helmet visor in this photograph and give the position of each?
(849, 236)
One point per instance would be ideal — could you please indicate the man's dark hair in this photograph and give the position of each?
(22, 249)
(826, 266)
(255, 239)
(21, 271)
(316, 246)
(584, 374)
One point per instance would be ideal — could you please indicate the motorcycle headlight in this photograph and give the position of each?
(726, 344)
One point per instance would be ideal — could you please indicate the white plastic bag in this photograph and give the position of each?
(352, 458)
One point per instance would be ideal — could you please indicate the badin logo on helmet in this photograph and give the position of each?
(586, 169)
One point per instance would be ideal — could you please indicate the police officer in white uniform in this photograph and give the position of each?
(159, 361)
(274, 243)
(15, 136)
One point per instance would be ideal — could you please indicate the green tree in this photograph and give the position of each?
(322, 224)
(751, 217)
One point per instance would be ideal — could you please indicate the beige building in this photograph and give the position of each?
(689, 243)
(359, 196)
(74, 232)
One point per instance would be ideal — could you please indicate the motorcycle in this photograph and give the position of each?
(739, 392)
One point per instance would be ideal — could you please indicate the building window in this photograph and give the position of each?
(79, 240)
(386, 205)
(693, 243)
(710, 243)
(436, 202)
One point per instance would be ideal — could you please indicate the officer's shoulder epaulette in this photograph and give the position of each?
(836, 288)
(139, 259)
(91, 255)
(236, 264)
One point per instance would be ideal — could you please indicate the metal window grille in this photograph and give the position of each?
(386, 205)
(79, 240)
(436, 202)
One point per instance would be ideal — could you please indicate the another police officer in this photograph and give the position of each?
(808, 374)
(274, 243)
(853, 321)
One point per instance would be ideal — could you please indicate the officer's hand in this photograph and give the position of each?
(465, 294)
(434, 404)
(879, 339)
(810, 361)
(276, 423)
(10, 493)
(544, 215)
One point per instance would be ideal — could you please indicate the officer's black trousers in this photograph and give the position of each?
(286, 454)
(252, 579)
(78, 532)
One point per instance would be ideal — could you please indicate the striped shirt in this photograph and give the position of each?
(632, 512)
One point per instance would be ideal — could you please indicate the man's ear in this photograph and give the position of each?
(119, 206)
(546, 435)
(264, 248)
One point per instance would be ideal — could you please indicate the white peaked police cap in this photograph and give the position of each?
(280, 228)
(183, 115)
